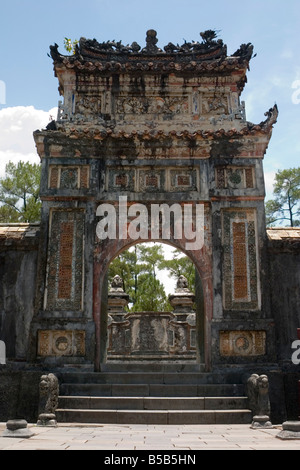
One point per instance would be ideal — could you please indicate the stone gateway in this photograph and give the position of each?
(140, 128)
(150, 128)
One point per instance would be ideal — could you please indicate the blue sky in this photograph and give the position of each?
(30, 26)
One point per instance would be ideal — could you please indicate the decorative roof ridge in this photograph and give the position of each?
(190, 64)
(210, 49)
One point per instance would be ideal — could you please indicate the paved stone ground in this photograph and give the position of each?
(155, 437)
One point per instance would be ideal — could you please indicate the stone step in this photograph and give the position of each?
(115, 416)
(191, 378)
(150, 389)
(153, 403)
(146, 366)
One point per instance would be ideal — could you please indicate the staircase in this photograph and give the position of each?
(151, 394)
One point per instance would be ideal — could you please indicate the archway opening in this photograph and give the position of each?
(155, 306)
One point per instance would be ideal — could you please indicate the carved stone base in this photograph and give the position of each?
(47, 419)
(290, 430)
(17, 428)
(261, 422)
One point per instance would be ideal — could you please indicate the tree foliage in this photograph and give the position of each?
(70, 45)
(286, 203)
(19, 193)
(180, 265)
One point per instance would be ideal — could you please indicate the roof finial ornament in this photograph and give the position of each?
(151, 41)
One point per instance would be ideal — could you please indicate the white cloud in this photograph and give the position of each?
(287, 54)
(17, 125)
(269, 182)
(15, 157)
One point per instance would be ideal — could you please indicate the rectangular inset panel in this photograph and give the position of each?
(240, 270)
(61, 343)
(235, 177)
(151, 180)
(65, 261)
(54, 177)
(240, 261)
(242, 343)
(220, 177)
(249, 179)
(69, 177)
(84, 177)
(183, 180)
(173, 105)
(214, 103)
(122, 179)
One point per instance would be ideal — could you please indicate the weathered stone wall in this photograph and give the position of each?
(19, 394)
(284, 258)
(284, 262)
(18, 265)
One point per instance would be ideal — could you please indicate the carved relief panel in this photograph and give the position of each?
(61, 343)
(152, 180)
(240, 268)
(167, 105)
(214, 103)
(235, 177)
(65, 261)
(242, 343)
(68, 177)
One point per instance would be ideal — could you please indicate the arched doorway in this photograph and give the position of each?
(152, 306)
(108, 250)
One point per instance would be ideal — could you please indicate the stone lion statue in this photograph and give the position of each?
(259, 402)
(117, 283)
(49, 391)
(182, 283)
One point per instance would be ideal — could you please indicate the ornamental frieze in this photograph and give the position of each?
(153, 105)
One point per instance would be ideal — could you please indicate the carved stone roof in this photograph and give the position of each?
(19, 236)
(207, 56)
(284, 240)
(284, 233)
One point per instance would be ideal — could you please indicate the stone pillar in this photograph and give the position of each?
(117, 323)
(182, 301)
(184, 323)
(117, 299)
(2, 353)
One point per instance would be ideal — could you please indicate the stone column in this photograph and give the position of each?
(2, 353)
(117, 323)
(185, 318)
(117, 299)
(182, 301)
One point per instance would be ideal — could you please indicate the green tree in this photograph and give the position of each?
(126, 266)
(138, 268)
(286, 204)
(19, 193)
(151, 295)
